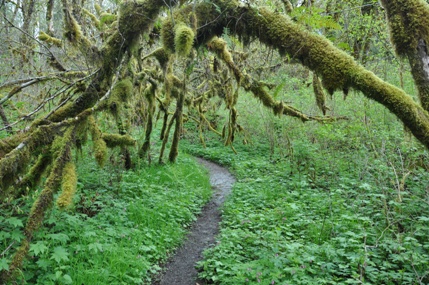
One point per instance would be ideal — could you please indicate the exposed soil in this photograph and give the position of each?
(180, 269)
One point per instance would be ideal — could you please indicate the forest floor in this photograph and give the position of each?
(180, 269)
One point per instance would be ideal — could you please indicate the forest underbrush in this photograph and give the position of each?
(340, 203)
(122, 226)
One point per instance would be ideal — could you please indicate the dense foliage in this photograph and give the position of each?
(344, 203)
(109, 80)
(122, 225)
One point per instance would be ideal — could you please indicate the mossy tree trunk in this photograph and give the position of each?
(5, 120)
(419, 62)
(409, 28)
(178, 117)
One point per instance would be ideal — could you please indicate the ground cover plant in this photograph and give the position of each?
(122, 227)
(342, 203)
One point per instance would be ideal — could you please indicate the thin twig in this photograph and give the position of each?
(7, 249)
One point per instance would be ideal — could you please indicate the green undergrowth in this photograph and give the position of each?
(321, 225)
(342, 203)
(122, 226)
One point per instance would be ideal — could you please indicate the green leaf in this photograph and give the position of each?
(63, 238)
(17, 235)
(60, 254)
(95, 247)
(15, 222)
(38, 248)
(278, 89)
(4, 264)
(67, 279)
(44, 263)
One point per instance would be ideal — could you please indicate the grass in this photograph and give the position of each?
(122, 226)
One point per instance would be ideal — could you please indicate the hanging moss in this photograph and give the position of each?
(81, 134)
(17, 160)
(93, 18)
(114, 140)
(149, 94)
(50, 40)
(18, 259)
(183, 39)
(99, 145)
(219, 46)
(178, 34)
(34, 175)
(288, 6)
(161, 56)
(9, 143)
(122, 90)
(107, 19)
(121, 93)
(178, 118)
(61, 147)
(319, 94)
(97, 8)
(68, 185)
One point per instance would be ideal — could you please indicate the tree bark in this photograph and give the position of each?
(419, 62)
(50, 17)
(5, 120)
(409, 28)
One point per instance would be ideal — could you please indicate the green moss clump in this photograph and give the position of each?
(98, 8)
(50, 40)
(167, 36)
(107, 18)
(319, 94)
(122, 91)
(17, 160)
(183, 39)
(9, 143)
(99, 145)
(408, 23)
(35, 174)
(68, 185)
(114, 140)
(162, 57)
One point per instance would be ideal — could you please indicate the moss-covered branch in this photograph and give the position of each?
(337, 70)
(61, 148)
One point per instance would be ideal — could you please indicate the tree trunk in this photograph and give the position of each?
(419, 62)
(174, 150)
(50, 17)
(27, 11)
(409, 29)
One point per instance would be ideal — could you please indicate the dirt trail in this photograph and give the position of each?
(180, 270)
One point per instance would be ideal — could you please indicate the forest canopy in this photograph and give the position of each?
(69, 66)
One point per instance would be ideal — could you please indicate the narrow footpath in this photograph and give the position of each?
(180, 270)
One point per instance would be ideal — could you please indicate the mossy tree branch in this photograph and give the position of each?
(337, 70)
(62, 150)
